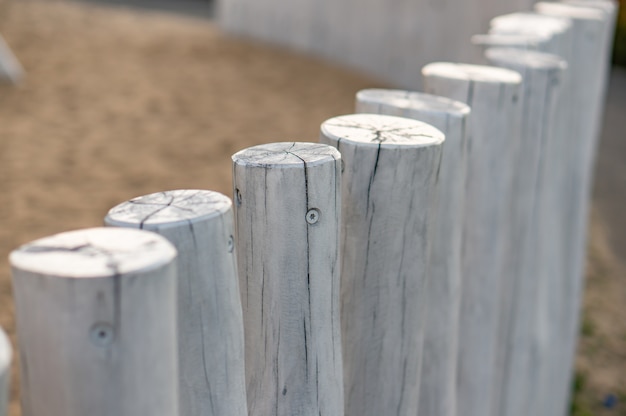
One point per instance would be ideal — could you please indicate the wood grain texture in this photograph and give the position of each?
(200, 225)
(10, 68)
(96, 323)
(543, 76)
(494, 97)
(5, 372)
(443, 290)
(287, 199)
(391, 173)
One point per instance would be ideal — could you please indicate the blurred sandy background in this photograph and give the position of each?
(122, 102)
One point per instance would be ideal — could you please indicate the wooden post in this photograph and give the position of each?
(555, 31)
(391, 173)
(587, 64)
(96, 323)
(5, 372)
(539, 147)
(210, 323)
(10, 68)
(443, 291)
(287, 199)
(494, 97)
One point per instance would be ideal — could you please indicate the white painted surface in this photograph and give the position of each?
(543, 76)
(391, 168)
(200, 225)
(10, 68)
(287, 199)
(389, 39)
(494, 97)
(96, 324)
(443, 291)
(5, 372)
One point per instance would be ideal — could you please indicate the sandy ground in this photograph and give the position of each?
(118, 104)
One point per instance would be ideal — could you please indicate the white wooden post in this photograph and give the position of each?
(494, 97)
(10, 68)
(587, 64)
(555, 31)
(443, 291)
(5, 372)
(287, 199)
(96, 324)
(210, 323)
(391, 172)
(543, 76)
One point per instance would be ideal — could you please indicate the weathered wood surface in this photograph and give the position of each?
(587, 67)
(387, 39)
(443, 290)
(5, 372)
(287, 199)
(200, 225)
(543, 75)
(391, 173)
(96, 324)
(494, 97)
(10, 68)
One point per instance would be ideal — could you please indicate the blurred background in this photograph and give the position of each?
(127, 97)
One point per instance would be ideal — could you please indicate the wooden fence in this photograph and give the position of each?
(426, 257)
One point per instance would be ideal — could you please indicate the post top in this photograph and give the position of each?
(5, 351)
(531, 59)
(286, 155)
(469, 72)
(94, 252)
(414, 101)
(569, 10)
(532, 23)
(168, 208)
(381, 130)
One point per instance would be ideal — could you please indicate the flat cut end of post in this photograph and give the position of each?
(93, 253)
(569, 10)
(5, 352)
(529, 23)
(168, 208)
(381, 130)
(469, 72)
(531, 59)
(286, 155)
(413, 101)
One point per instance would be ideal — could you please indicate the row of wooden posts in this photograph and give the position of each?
(426, 257)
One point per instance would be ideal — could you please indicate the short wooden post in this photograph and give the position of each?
(210, 323)
(543, 76)
(96, 324)
(587, 63)
(443, 299)
(391, 173)
(494, 97)
(555, 31)
(287, 199)
(10, 68)
(5, 372)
